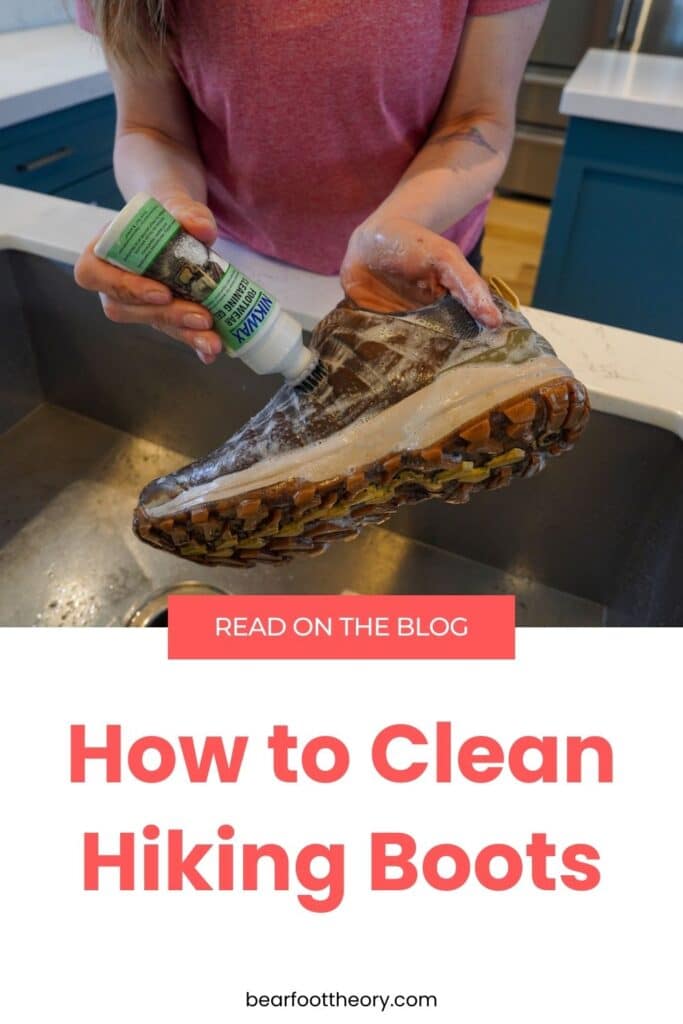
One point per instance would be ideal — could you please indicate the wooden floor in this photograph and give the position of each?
(515, 232)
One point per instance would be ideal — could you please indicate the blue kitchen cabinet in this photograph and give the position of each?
(67, 153)
(614, 248)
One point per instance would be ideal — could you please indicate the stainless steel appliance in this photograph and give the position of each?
(654, 26)
(570, 29)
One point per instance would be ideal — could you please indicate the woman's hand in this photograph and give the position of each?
(396, 264)
(127, 298)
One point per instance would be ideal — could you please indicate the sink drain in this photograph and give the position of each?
(154, 610)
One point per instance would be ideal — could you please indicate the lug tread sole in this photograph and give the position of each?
(292, 518)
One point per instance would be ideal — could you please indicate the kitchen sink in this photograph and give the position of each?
(91, 411)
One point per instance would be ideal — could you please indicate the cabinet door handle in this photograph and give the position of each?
(551, 81)
(553, 139)
(45, 161)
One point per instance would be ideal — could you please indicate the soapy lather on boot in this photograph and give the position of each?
(406, 406)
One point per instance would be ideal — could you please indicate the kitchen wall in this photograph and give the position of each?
(15, 14)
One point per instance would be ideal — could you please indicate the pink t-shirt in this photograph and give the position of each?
(307, 113)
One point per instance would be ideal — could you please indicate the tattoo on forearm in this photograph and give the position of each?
(467, 135)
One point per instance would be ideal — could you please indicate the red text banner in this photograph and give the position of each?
(341, 626)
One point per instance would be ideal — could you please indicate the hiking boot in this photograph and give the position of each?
(401, 407)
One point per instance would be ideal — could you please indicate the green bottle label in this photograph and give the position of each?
(154, 244)
(141, 241)
(240, 308)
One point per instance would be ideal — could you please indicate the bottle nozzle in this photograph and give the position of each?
(300, 365)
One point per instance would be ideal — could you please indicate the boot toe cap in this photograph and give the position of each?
(157, 493)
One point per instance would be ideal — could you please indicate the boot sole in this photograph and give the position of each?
(277, 523)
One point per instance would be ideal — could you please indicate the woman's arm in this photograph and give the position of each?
(155, 151)
(397, 254)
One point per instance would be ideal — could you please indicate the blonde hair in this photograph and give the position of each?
(133, 32)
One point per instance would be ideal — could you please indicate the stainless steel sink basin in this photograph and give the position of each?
(91, 411)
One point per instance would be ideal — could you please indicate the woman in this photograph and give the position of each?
(336, 135)
(352, 137)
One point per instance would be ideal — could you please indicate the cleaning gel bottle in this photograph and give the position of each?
(146, 239)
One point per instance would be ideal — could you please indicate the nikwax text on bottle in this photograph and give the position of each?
(146, 239)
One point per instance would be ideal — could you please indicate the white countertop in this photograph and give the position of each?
(48, 69)
(630, 88)
(627, 374)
